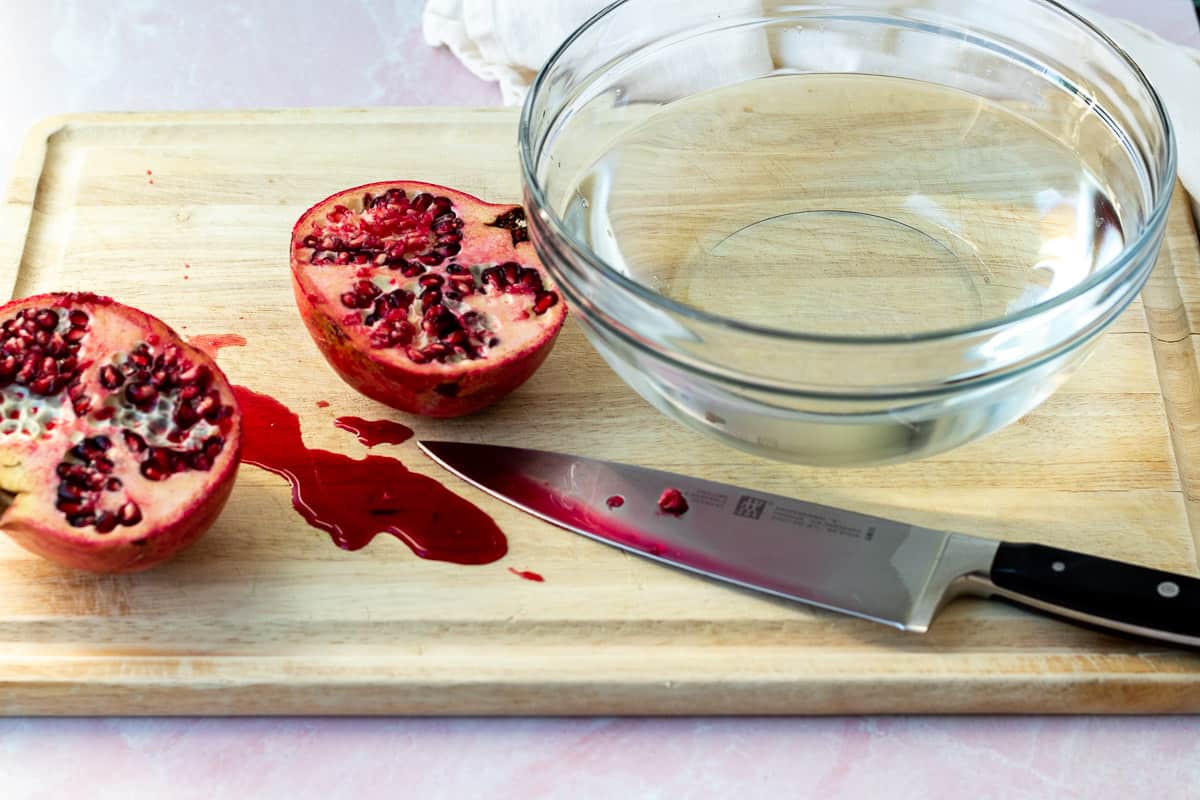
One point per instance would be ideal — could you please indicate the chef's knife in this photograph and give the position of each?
(870, 567)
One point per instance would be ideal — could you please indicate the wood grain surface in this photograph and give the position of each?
(264, 615)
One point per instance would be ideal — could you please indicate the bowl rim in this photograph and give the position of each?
(1150, 227)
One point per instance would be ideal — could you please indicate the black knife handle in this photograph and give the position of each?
(1099, 591)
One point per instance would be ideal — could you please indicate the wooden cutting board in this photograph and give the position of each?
(265, 615)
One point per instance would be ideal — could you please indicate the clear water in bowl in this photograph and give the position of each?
(851, 204)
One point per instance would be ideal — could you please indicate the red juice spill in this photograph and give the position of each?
(375, 431)
(527, 575)
(353, 500)
(210, 343)
(322, 404)
(616, 501)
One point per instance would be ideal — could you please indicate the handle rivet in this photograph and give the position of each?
(1168, 589)
(1058, 566)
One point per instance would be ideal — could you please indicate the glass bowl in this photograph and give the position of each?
(845, 233)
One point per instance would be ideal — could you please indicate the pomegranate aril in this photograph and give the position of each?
(69, 491)
(134, 441)
(78, 319)
(456, 269)
(422, 201)
(141, 394)
(432, 279)
(81, 520)
(81, 405)
(544, 301)
(106, 521)
(186, 416)
(75, 335)
(46, 319)
(129, 514)
(199, 377)
(531, 279)
(46, 385)
(113, 484)
(416, 356)
(103, 465)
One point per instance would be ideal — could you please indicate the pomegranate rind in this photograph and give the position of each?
(387, 375)
(180, 512)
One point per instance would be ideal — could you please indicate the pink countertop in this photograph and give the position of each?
(157, 54)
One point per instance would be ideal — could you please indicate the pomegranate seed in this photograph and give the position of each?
(103, 465)
(104, 413)
(75, 335)
(531, 279)
(432, 279)
(456, 337)
(672, 501)
(544, 301)
(455, 269)
(416, 356)
(198, 376)
(111, 377)
(81, 405)
(186, 416)
(514, 221)
(78, 318)
(207, 406)
(81, 520)
(105, 522)
(134, 442)
(141, 394)
(129, 514)
(422, 201)
(213, 446)
(72, 491)
(113, 484)
(45, 385)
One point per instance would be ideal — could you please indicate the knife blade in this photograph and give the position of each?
(866, 566)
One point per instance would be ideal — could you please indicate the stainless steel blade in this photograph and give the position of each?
(870, 567)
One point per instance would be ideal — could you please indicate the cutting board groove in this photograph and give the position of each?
(265, 616)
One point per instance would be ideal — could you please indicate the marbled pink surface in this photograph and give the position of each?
(76, 55)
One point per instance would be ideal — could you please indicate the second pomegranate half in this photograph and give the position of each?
(423, 297)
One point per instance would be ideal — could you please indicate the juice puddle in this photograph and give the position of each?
(353, 500)
(371, 432)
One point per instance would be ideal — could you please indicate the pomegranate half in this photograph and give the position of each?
(423, 297)
(119, 442)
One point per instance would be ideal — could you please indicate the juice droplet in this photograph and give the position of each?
(322, 404)
(616, 501)
(375, 431)
(527, 575)
(353, 500)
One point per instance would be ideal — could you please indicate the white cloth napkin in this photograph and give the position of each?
(496, 40)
